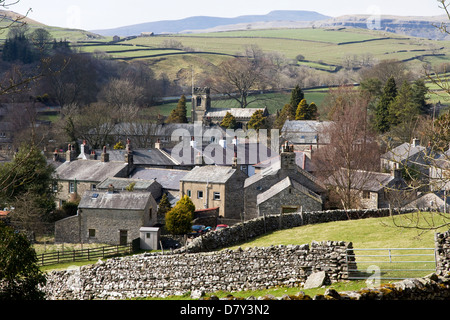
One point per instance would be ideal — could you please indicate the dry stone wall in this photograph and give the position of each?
(176, 273)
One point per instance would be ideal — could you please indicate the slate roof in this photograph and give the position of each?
(300, 159)
(212, 174)
(364, 180)
(114, 200)
(283, 184)
(403, 152)
(238, 113)
(89, 170)
(275, 167)
(149, 156)
(122, 183)
(168, 178)
(304, 131)
(215, 153)
(164, 129)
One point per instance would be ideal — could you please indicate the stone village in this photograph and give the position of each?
(230, 176)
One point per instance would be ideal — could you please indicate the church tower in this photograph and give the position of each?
(201, 103)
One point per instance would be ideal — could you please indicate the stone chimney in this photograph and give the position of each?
(287, 157)
(129, 153)
(235, 161)
(70, 153)
(105, 155)
(199, 159)
(55, 155)
(93, 155)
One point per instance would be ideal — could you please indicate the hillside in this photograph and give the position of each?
(10, 18)
(424, 27)
(205, 22)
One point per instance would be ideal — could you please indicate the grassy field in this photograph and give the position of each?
(364, 233)
(318, 46)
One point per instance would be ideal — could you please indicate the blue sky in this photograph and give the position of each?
(102, 14)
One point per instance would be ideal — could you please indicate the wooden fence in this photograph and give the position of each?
(50, 258)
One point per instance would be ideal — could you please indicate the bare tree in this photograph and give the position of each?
(238, 77)
(351, 153)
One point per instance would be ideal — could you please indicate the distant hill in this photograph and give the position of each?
(424, 27)
(205, 22)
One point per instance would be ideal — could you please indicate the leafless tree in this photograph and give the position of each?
(351, 152)
(238, 77)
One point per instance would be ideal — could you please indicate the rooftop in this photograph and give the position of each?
(168, 178)
(212, 174)
(89, 170)
(114, 200)
(283, 184)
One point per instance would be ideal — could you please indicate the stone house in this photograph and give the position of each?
(406, 154)
(373, 190)
(109, 217)
(287, 196)
(276, 172)
(215, 186)
(79, 174)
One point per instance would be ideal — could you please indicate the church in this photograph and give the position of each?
(202, 111)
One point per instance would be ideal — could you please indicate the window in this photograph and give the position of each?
(199, 194)
(216, 196)
(91, 233)
(55, 186)
(366, 194)
(71, 187)
(93, 187)
(148, 235)
(189, 193)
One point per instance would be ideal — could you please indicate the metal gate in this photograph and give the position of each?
(390, 263)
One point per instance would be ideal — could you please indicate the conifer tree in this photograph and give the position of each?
(257, 121)
(178, 115)
(381, 118)
(164, 206)
(229, 121)
(297, 95)
(179, 218)
(403, 107)
(288, 112)
(302, 110)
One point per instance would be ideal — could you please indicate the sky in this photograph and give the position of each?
(104, 14)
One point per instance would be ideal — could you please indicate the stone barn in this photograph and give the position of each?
(109, 217)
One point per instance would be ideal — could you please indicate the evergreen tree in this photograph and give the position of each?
(381, 118)
(229, 121)
(312, 111)
(419, 95)
(288, 112)
(403, 108)
(297, 95)
(178, 115)
(164, 206)
(179, 218)
(302, 110)
(257, 121)
(20, 275)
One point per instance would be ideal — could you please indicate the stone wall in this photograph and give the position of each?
(442, 249)
(176, 273)
(244, 231)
